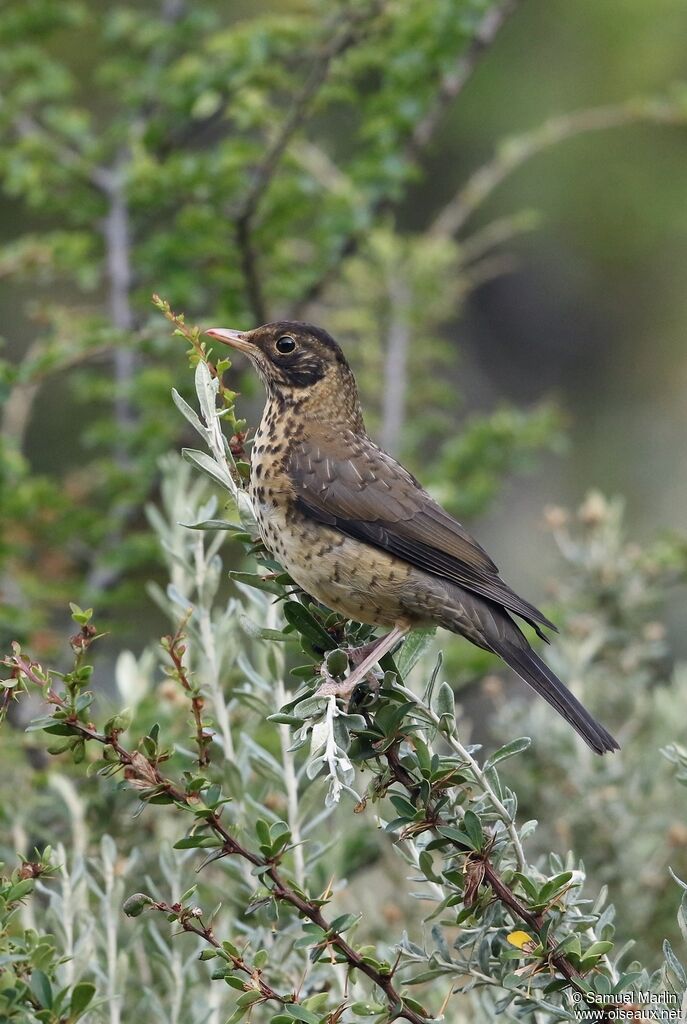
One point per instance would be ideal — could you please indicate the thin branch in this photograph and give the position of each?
(99, 177)
(143, 773)
(244, 216)
(487, 873)
(176, 648)
(478, 774)
(453, 83)
(191, 921)
(514, 152)
(450, 87)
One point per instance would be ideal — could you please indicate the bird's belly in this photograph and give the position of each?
(349, 577)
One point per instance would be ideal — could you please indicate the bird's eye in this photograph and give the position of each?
(286, 344)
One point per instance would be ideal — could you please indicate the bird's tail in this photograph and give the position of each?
(529, 666)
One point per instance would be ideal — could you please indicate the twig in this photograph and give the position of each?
(488, 874)
(450, 87)
(478, 774)
(515, 151)
(176, 648)
(190, 920)
(143, 774)
(244, 216)
(453, 83)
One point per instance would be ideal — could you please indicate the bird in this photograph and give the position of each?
(357, 532)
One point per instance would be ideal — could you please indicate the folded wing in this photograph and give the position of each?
(346, 481)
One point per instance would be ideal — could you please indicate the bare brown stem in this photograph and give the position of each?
(176, 648)
(341, 39)
(191, 921)
(144, 774)
(449, 88)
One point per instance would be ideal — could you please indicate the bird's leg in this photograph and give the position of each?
(345, 687)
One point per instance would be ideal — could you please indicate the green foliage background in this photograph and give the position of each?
(509, 296)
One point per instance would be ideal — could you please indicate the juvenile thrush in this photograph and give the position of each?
(357, 532)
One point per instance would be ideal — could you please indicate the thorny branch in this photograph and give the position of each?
(142, 772)
(174, 646)
(480, 869)
(190, 920)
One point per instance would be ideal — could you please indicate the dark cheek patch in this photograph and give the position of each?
(306, 375)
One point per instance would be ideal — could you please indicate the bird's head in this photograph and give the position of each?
(300, 364)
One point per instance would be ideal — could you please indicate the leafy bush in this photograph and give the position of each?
(245, 797)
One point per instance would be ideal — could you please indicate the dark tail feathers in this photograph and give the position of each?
(529, 666)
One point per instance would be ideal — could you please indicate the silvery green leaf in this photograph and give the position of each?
(208, 466)
(429, 689)
(528, 828)
(208, 509)
(444, 702)
(260, 632)
(310, 707)
(212, 524)
(176, 597)
(188, 413)
(683, 885)
(132, 676)
(414, 646)
(509, 750)
(206, 389)
(674, 965)
(261, 756)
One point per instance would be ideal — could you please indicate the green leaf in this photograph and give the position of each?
(307, 625)
(206, 464)
(248, 998)
(197, 843)
(509, 750)
(19, 890)
(456, 835)
(444, 702)
(297, 1012)
(81, 996)
(674, 964)
(344, 922)
(251, 579)
(414, 646)
(134, 905)
(403, 805)
(473, 827)
(41, 988)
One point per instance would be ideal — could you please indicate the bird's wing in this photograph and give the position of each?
(346, 481)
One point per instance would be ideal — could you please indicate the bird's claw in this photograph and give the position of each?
(344, 687)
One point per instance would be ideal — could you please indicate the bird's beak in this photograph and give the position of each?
(237, 339)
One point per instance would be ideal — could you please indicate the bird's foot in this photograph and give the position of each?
(364, 660)
(332, 687)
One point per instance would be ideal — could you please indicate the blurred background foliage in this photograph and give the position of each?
(510, 296)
